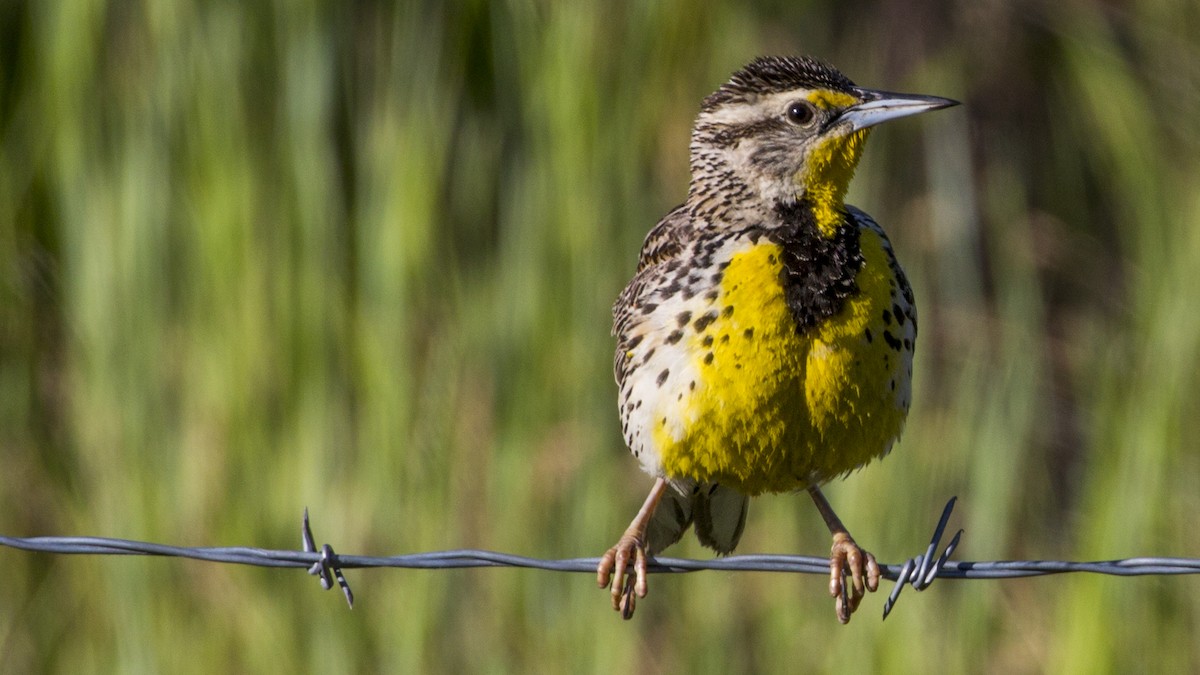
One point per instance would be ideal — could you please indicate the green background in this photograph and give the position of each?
(360, 258)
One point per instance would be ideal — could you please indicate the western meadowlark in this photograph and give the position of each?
(765, 343)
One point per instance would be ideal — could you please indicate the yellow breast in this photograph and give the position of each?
(774, 409)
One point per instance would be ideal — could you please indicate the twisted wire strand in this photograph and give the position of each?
(918, 572)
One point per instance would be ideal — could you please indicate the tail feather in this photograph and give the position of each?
(670, 520)
(719, 513)
(720, 516)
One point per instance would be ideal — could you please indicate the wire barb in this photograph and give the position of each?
(327, 568)
(923, 569)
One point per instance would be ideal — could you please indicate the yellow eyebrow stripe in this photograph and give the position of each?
(826, 99)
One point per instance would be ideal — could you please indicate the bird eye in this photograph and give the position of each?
(800, 113)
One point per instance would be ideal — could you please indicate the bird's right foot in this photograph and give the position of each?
(627, 584)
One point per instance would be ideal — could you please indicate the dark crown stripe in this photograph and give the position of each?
(774, 74)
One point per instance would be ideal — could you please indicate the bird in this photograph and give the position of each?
(765, 342)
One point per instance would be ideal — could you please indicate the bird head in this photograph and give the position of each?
(782, 130)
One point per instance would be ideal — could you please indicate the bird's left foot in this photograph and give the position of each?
(847, 556)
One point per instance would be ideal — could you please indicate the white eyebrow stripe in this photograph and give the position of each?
(764, 107)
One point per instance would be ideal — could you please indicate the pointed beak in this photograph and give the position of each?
(881, 106)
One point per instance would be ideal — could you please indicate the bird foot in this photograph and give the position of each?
(626, 583)
(847, 556)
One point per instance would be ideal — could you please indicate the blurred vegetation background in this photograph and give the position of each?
(359, 257)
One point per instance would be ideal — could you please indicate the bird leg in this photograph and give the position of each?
(846, 556)
(631, 544)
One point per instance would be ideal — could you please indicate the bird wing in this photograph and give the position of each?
(662, 243)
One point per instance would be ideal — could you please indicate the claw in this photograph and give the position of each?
(614, 567)
(614, 564)
(864, 571)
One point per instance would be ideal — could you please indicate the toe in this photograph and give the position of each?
(842, 607)
(639, 567)
(854, 561)
(628, 601)
(873, 573)
(605, 568)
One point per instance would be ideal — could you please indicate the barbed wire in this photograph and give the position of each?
(918, 572)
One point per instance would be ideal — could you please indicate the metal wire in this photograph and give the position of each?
(918, 572)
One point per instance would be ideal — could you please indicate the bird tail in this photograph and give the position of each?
(670, 520)
(719, 513)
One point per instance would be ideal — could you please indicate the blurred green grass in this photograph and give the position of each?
(360, 258)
